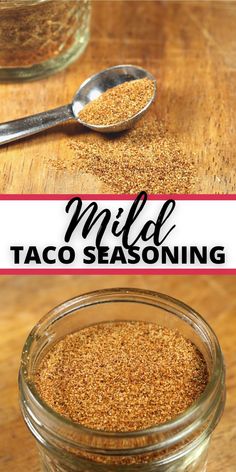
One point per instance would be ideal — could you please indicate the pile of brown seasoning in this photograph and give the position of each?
(122, 376)
(148, 157)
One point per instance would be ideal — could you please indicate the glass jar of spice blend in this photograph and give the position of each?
(177, 445)
(39, 37)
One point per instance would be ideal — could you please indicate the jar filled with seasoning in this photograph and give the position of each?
(39, 37)
(127, 344)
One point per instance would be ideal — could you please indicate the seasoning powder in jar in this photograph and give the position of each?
(39, 37)
(122, 376)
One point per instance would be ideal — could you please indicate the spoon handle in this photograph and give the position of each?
(18, 129)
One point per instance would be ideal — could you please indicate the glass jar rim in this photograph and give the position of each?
(12, 3)
(102, 296)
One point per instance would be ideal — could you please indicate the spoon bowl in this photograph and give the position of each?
(99, 83)
(91, 89)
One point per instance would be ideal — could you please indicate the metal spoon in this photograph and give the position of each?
(89, 90)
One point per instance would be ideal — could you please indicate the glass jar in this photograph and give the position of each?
(178, 445)
(39, 37)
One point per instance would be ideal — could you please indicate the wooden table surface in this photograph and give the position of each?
(25, 299)
(189, 46)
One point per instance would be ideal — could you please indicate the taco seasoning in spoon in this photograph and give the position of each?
(119, 103)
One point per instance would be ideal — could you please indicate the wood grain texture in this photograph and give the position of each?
(188, 45)
(25, 299)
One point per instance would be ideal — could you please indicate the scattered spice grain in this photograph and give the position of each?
(147, 157)
(122, 376)
(118, 103)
